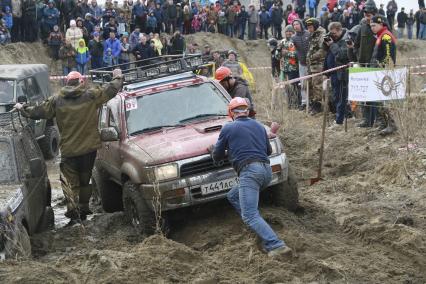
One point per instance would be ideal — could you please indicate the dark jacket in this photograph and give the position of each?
(339, 50)
(241, 89)
(301, 42)
(384, 49)
(96, 48)
(364, 44)
(277, 16)
(178, 44)
(76, 111)
(401, 19)
(145, 51)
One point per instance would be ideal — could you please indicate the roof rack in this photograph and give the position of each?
(149, 69)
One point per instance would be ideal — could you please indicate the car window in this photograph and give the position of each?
(6, 91)
(7, 165)
(175, 106)
(33, 89)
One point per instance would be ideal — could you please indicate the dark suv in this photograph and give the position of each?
(25, 192)
(155, 135)
(29, 83)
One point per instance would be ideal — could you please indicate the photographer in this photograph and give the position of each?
(337, 44)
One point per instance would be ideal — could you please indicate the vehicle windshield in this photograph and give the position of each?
(6, 91)
(174, 107)
(7, 167)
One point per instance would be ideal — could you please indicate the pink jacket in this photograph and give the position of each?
(291, 17)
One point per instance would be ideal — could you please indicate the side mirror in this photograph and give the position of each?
(36, 167)
(22, 99)
(109, 134)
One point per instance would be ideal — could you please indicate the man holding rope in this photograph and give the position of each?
(76, 111)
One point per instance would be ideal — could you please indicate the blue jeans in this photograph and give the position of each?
(410, 31)
(422, 33)
(242, 30)
(245, 198)
(81, 68)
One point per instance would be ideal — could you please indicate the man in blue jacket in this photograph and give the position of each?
(115, 46)
(50, 18)
(248, 148)
(264, 21)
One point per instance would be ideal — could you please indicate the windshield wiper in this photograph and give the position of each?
(148, 129)
(201, 116)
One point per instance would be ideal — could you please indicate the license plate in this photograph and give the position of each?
(218, 186)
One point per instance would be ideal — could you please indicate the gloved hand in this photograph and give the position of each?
(116, 73)
(210, 149)
(18, 106)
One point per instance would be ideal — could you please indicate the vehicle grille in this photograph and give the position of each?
(201, 166)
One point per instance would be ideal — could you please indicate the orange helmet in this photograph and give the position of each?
(222, 73)
(236, 103)
(73, 75)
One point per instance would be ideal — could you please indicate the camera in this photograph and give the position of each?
(327, 37)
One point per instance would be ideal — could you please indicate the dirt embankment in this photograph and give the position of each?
(364, 223)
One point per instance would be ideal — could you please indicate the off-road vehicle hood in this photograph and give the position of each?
(179, 143)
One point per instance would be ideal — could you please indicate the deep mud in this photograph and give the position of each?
(364, 222)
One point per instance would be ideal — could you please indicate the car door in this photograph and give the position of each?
(34, 189)
(112, 148)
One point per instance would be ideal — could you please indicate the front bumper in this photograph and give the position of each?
(184, 192)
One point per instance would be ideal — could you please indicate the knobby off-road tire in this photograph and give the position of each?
(140, 213)
(18, 244)
(286, 194)
(47, 221)
(108, 191)
(49, 145)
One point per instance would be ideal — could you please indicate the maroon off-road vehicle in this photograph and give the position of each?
(155, 135)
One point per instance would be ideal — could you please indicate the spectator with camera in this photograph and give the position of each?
(337, 45)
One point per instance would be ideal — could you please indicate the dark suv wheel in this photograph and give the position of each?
(139, 213)
(108, 191)
(50, 143)
(285, 194)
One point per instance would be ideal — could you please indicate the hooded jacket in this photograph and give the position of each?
(8, 18)
(76, 112)
(82, 55)
(301, 42)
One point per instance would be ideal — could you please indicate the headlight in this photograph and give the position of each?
(166, 172)
(275, 145)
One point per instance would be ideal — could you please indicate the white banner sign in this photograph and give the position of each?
(374, 84)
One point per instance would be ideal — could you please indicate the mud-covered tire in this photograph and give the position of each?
(139, 212)
(47, 221)
(49, 144)
(286, 193)
(108, 191)
(18, 244)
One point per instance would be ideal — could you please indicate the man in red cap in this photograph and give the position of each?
(76, 111)
(248, 148)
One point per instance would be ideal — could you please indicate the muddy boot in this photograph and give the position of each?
(74, 217)
(281, 252)
(390, 129)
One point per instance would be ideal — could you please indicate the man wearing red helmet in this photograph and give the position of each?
(76, 111)
(248, 149)
(236, 86)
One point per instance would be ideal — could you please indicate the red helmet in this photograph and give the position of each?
(236, 103)
(222, 73)
(73, 75)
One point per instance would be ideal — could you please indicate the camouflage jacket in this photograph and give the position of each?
(316, 54)
(288, 56)
(76, 112)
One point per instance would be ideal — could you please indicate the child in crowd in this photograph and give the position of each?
(82, 56)
(108, 58)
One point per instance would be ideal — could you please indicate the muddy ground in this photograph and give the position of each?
(364, 223)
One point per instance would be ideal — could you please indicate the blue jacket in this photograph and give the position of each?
(158, 13)
(53, 13)
(4, 4)
(151, 22)
(8, 18)
(115, 47)
(139, 10)
(264, 18)
(245, 139)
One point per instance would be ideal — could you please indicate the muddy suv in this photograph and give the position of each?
(25, 192)
(155, 135)
(29, 83)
